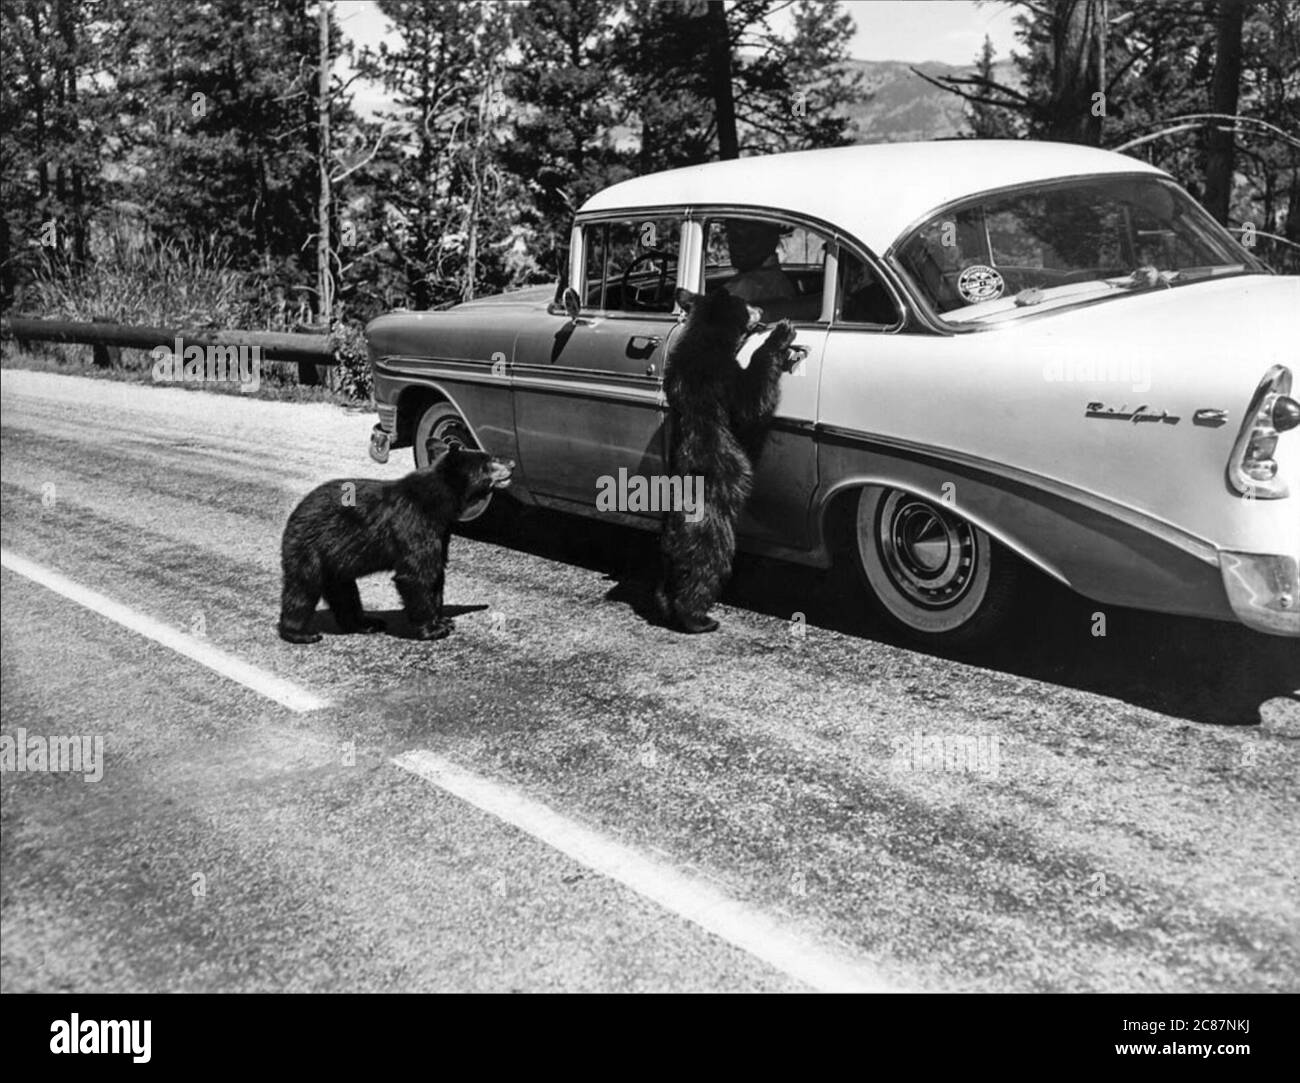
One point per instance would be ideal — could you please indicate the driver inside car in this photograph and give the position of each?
(752, 247)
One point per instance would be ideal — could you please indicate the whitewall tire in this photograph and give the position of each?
(933, 575)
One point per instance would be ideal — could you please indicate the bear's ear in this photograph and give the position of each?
(686, 299)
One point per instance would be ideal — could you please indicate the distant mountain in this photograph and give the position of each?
(905, 107)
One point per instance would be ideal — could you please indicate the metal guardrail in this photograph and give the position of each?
(305, 349)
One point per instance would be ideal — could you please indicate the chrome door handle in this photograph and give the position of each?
(642, 345)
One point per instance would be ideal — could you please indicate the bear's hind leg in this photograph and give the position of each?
(344, 601)
(297, 609)
(697, 559)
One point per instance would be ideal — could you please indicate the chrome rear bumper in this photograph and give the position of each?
(1263, 590)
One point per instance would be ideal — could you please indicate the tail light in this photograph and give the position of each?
(1252, 469)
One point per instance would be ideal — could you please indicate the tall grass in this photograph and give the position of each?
(136, 278)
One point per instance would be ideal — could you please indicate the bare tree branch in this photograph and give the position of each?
(950, 84)
(379, 142)
(1198, 120)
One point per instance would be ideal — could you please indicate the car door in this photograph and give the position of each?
(785, 276)
(588, 391)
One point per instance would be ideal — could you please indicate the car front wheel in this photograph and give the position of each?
(439, 425)
(935, 577)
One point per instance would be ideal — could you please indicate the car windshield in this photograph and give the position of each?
(999, 256)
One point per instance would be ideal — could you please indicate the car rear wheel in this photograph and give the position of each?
(937, 578)
(441, 425)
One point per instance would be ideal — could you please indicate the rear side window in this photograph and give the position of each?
(776, 266)
(632, 264)
(861, 297)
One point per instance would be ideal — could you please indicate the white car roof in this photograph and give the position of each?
(873, 192)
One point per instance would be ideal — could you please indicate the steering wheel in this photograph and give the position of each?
(625, 288)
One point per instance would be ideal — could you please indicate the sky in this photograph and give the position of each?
(951, 31)
(915, 30)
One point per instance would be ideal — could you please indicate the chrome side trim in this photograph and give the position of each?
(796, 426)
(447, 368)
(582, 383)
(543, 379)
(1189, 543)
(592, 377)
(648, 392)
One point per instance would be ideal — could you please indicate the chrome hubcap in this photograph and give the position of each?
(928, 554)
(450, 433)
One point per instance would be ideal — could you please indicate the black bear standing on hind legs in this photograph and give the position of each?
(720, 413)
(355, 526)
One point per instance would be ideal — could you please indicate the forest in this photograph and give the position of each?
(204, 164)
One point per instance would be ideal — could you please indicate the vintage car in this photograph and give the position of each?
(1017, 353)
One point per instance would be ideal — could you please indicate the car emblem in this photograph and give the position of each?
(979, 282)
(1123, 413)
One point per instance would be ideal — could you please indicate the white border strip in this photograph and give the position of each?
(283, 692)
(735, 922)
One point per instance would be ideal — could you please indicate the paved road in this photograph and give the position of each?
(1138, 833)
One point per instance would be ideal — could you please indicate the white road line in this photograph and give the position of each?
(735, 922)
(286, 693)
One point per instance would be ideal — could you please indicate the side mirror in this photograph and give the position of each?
(572, 302)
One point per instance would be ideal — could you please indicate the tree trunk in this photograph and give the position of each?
(720, 70)
(1225, 86)
(1292, 229)
(36, 73)
(76, 227)
(1072, 112)
(312, 375)
(475, 195)
(324, 273)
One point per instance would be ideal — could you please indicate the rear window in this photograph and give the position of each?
(996, 257)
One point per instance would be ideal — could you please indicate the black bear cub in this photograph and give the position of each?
(720, 416)
(355, 526)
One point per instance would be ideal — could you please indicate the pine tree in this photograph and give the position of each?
(444, 209)
(53, 126)
(787, 93)
(567, 105)
(989, 121)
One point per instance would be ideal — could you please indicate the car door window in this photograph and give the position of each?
(632, 264)
(773, 265)
(861, 298)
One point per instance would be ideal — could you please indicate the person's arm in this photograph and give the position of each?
(744, 287)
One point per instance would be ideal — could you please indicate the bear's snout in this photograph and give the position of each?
(500, 472)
